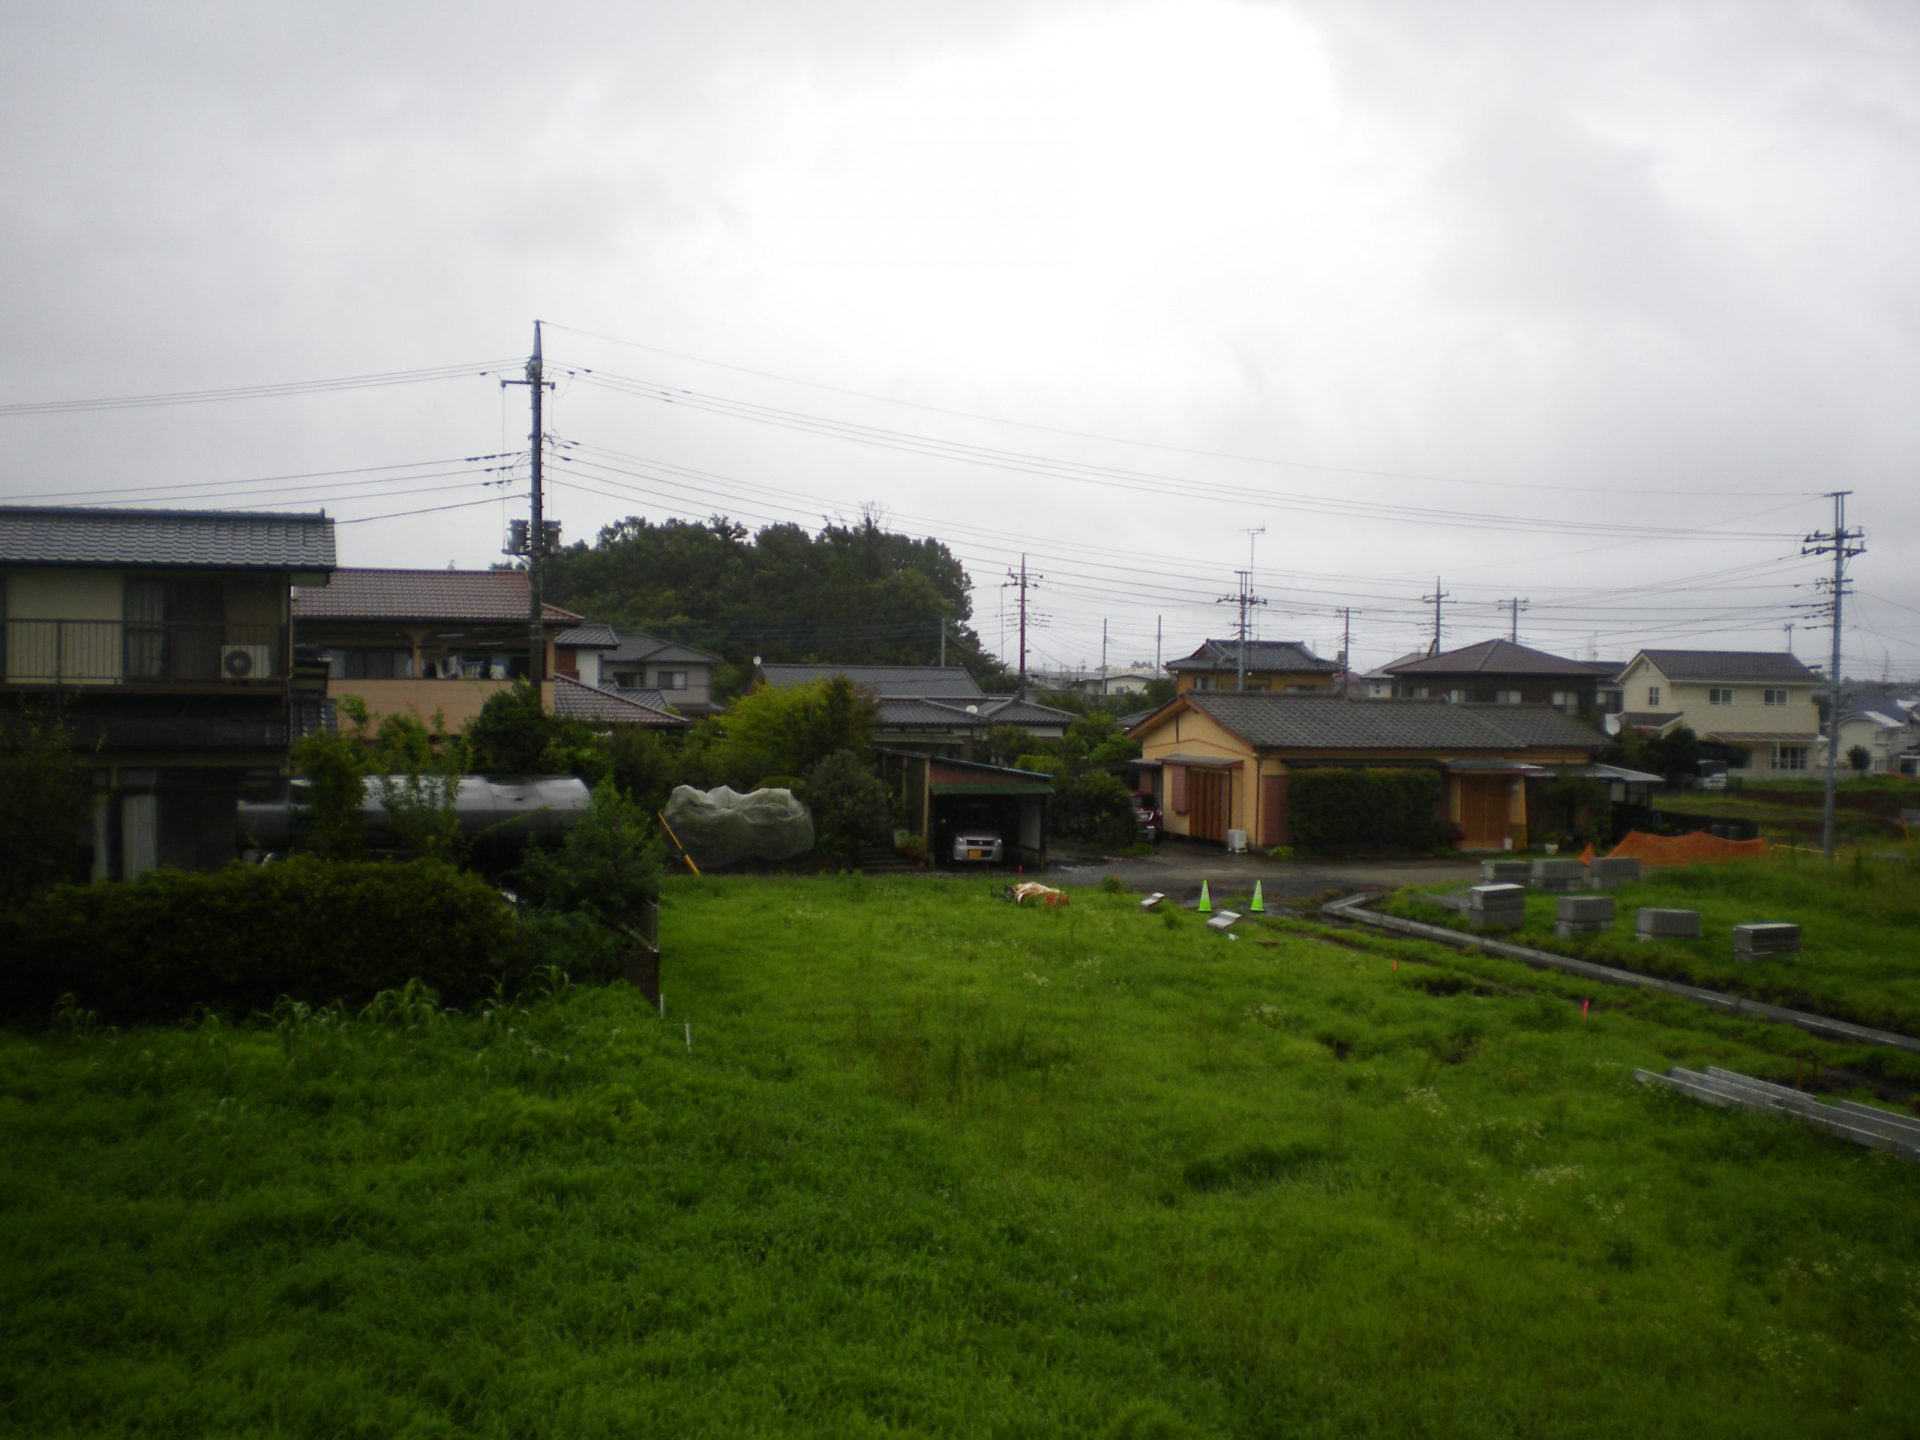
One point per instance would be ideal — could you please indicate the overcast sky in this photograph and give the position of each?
(1583, 304)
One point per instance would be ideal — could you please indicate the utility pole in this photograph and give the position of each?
(1023, 583)
(1158, 621)
(539, 540)
(1103, 659)
(943, 644)
(1514, 606)
(1436, 597)
(1789, 629)
(1246, 600)
(1842, 544)
(1346, 644)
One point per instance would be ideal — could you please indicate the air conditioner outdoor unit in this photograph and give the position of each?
(1237, 842)
(246, 662)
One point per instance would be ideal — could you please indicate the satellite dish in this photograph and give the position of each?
(756, 660)
(973, 709)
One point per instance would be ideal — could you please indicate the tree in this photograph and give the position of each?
(513, 735)
(849, 802)
(1859, 759)
(785, 730)
(46, 799)
(606, 867)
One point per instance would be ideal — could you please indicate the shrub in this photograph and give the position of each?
(1345, 811)
(606, 869)
(1094, 806)
(238, 939)
(849, 804)
(46, 798)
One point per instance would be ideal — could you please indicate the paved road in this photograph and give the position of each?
(1178, 869)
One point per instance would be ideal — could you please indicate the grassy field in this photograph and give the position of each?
(1867, 811)
(1859, 919)
(936, 1165)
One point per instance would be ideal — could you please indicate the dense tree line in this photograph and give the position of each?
(851, 594)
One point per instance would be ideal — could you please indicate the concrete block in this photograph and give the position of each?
(1497, 897)
(1558, 875)
(1458, 903)
(1610, 874)
(1584, 909)
(1504, 872)
(1650, 923)
(1496, 919)
(1225, 920)
(1766, 940)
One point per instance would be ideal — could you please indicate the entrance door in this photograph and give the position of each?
(1483, 811)
(1210, 795)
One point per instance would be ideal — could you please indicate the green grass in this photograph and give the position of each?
(1859, 919)
(938, 1165)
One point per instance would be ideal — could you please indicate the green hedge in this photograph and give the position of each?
(1348, 811)
(238, 939)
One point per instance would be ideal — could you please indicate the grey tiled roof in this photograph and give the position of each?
(1730, 665)
(631, 649)
(475, 595)
(935, 682)
(639, 695)
(588, 637)
(1649, 719)
(204, 539)
(902, 711)
(575, 701)
(1264, 656)
(1492, 657)
(1333, 722)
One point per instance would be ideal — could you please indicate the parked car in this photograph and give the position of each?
(1147, 818)
(1711, 775)
(977, 838)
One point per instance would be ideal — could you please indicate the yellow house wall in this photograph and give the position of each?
(70, 595)
(1190, 733)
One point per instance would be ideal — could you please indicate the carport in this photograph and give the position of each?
(933, 791)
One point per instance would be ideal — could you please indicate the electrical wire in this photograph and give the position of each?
(250, 392)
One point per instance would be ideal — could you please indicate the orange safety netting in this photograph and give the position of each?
(1697, 848)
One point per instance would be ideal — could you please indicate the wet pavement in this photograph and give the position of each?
(1178, 869)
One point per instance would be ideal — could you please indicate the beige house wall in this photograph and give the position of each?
(454, 702)
(1749, 714)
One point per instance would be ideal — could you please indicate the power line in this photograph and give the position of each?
(248, 392)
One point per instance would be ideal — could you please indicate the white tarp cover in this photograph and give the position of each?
(723, 827)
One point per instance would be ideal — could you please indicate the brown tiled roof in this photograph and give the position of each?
(1333, 722)
(575, 701)
(203, 539)
(475, 595)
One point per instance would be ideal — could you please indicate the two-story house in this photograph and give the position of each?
(1277, 666)
(1498, 672)
(427, 642)
(930, 709)
(162, 639)
(1756, 708)
(660, 671)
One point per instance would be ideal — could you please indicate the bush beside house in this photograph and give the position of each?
(1342, 811)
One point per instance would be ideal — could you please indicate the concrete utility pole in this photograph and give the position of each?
(1246, 600)
(1023, 583)
(539, 542)
(1103, 658)
(1436, 597)
(1515, 606)
(1346, 644)
(1840, 542)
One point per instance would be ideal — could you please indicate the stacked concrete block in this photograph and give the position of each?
(1650, 923)
(1497, 907)
(1766, 940)
(1583, 915)
(1558, 875)
(1504, 872)
(1611, 874)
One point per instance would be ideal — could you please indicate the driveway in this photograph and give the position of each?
(1178, 869)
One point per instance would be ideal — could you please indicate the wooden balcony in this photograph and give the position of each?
(144, 655)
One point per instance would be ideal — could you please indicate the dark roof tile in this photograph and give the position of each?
(472, 595)
(202, 539)
(1333, 722)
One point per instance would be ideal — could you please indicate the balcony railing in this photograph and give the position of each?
(139, 652)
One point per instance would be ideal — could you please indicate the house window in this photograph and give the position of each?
(1776, 697)
(369, 665)
(1256, 685)
(1565, 700)
(1457, 697)
(1507, 697)
(1203, 682)
(1720, 696)
(1419, 692)
(1653, 694)
(1789, 757)
(671, 680)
